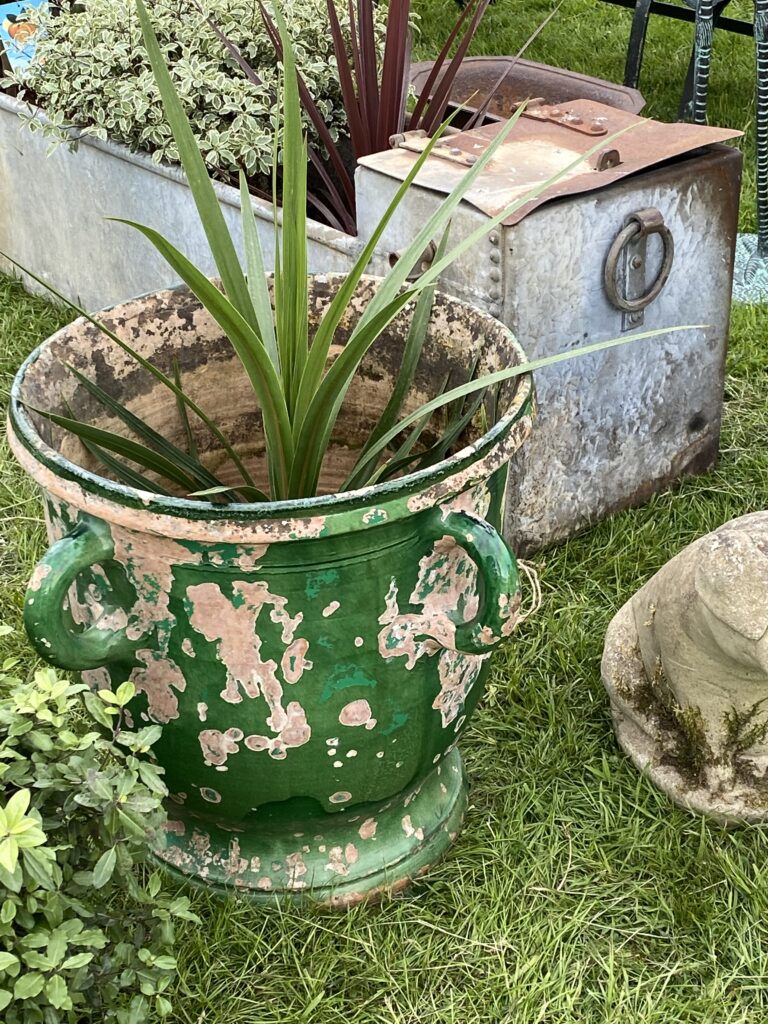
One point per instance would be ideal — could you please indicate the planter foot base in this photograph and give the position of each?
(298, 852)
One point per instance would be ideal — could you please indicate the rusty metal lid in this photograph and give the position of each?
(546, 140)
(515, 79)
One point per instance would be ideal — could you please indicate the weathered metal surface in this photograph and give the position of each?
(313, 663)
(686, 668)
(546, 142)
(517, 79)
(614, 427)
(63, 236)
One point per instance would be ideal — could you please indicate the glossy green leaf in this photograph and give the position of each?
(105, 867)
(201, 187)
(257, 277)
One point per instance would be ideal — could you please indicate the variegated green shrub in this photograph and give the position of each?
(86, 935)
(91, 71)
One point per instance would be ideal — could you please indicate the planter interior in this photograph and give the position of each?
(210, 371)
(303, 657)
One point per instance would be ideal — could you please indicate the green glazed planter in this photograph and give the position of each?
(313, 663)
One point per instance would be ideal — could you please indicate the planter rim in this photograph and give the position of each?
(117, 501)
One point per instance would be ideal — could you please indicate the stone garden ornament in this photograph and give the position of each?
(686, 668)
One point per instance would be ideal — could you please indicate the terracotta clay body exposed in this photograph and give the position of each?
(686, 667)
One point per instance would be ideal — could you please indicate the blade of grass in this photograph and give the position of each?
(145, 363)
(201, 187)
(248, 346)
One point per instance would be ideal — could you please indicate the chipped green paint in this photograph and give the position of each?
(313, 663)
(344, 676)
(317, 580)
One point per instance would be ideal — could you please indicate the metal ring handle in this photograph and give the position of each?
(642, 223)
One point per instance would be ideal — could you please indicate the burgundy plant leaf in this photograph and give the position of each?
(438, 103)
(315, 116)
(342, 215)
(369, 83)
(423, 98)
(479, 115)
(358, 130)
(394, 72)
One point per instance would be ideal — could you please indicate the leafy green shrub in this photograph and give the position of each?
(91, 71)
(85, 934)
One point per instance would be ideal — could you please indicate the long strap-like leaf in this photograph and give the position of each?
(248, 346)
(292, 303)
(320, 420)
(192, 466)
(138, 453)
(412, 350)
(257, 277)
(203, 192)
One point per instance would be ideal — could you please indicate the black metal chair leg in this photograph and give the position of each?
(685, 112)
(637, 43)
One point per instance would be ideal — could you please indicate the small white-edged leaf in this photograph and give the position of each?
(105, 866)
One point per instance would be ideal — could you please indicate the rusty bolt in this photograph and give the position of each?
(636, 262)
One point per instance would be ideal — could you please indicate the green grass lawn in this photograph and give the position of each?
(576, 893)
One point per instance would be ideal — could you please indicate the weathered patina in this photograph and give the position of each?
(686, 668)
(313, 663)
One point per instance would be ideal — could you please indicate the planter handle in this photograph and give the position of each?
(89, 542)
(497, 578)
